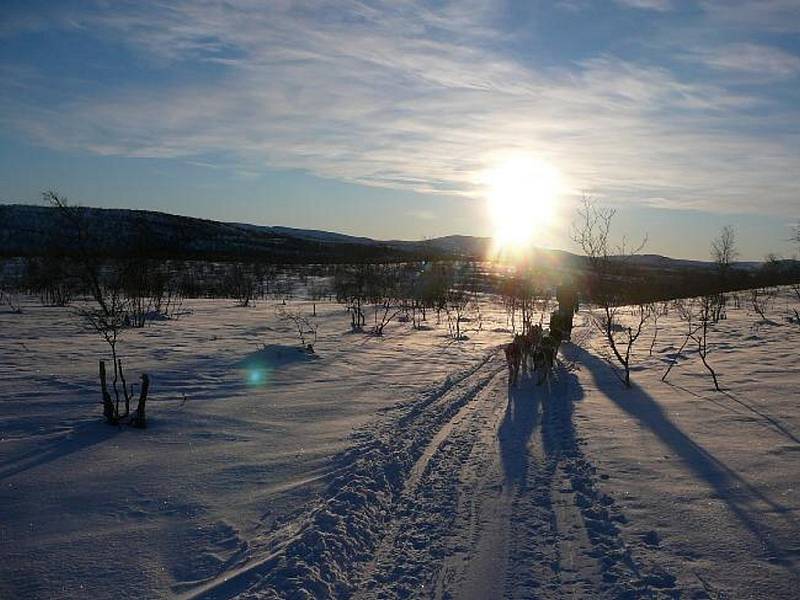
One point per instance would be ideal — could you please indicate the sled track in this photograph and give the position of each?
(590, 557)
(339, 536)
(507, 506)
(472, 491)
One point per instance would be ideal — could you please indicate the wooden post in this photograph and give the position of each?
(108, 405)
(139, 418)
(124, 390)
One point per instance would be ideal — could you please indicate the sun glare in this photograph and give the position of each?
(521, 194)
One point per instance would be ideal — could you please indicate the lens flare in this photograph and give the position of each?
(256, 376)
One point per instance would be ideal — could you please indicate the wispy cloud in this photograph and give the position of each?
(765, 15)
(660, 5)
(400, 95)
(579, 5)
(752, 59)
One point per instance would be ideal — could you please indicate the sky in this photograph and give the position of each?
(383, 118)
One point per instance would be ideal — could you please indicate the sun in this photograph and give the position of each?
(522, 194)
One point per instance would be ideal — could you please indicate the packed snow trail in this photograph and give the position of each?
(475, 490)
(507, 507)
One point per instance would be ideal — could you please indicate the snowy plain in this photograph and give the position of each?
(401, 466)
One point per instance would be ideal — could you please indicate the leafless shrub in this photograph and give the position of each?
(387, 293)
(462, 305)
(736, 298)
(304, 326)
(686, 315)
(698, 316)
(240, 282)
(317, 291)
(265, 276)
(109, 317)
(795, 288)
(761, 301)
(657, 310)
(794, 311)
(167, 300)
(606, 273)
(723, 253)
(11, 301)
(109, 321)
(351, 286)
(701, 333)
(524, 294)
(53, 279)
(431, 289)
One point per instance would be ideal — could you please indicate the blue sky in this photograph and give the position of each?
(379, 117)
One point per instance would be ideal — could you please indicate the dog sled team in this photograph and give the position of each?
(536, 350)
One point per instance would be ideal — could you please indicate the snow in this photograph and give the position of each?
(393, 467)
(712, 479)
(225, 462)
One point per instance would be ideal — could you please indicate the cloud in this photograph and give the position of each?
(659, 5)
(423, 215)
(753, 59)
(580, 5)
(398, 95)
(766, 15)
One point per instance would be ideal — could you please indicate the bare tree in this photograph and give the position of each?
(52, 278)
(351, 286)
(305, 327)
(761, 301)
(723, 253)
(657, 310)
(462, 305)
(75, 222)
(317, 290)
(697, 315)
(606, 277)
(723, 249)
(108, 318)
(523, 293)
(411, 293)
(241, 283)
(109, 322)
(433, 285)
(384, 293)
(700, 335)
(11, 301)
(686, 314)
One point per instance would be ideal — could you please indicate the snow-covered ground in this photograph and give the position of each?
(396, 466)
(238, 441)
(709, 482)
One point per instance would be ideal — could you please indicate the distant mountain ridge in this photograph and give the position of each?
(466, 245)
(29, 230)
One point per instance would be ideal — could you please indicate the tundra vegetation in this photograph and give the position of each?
(118, 303)
(607, 274)
(112, 294)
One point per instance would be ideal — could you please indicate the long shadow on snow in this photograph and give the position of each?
(550, 407)
(517, 427)
(703, 465)
(768, 421)
(82, 436)
(528, 402)
(777, 425)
